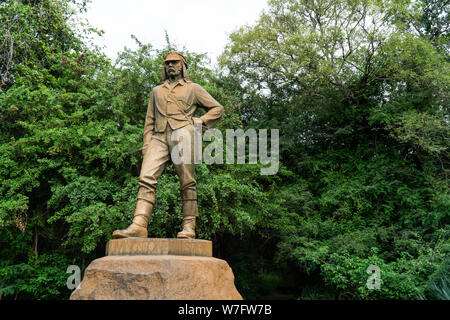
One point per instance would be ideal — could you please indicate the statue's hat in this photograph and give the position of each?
(175, 56)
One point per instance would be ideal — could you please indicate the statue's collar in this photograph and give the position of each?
(180, 82)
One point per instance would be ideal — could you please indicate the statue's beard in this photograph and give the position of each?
(183, 73)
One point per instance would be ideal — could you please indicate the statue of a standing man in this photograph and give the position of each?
(169, 113)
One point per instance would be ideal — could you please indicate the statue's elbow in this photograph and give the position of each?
(220, 111)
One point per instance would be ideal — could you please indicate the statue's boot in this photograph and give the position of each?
(138, 228)
(188, 228)
(190, 212)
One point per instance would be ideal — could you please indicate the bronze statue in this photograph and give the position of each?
(171, 107)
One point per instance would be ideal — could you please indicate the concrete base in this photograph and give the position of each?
(158, 246)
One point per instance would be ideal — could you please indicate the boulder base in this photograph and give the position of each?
(157, 277)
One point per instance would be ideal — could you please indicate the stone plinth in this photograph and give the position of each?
(157, 277)
(156, 246)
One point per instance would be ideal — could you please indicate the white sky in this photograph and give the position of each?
(202, 26)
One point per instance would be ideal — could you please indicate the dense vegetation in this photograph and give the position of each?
(358, 88)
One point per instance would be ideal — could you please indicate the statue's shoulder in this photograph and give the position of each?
(189, 82)
(193, 85)
(157, 88)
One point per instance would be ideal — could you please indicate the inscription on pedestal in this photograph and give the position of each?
(157, 246)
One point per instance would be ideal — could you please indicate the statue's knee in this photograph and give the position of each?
(189, 194)
(149, 179)
(147, 194)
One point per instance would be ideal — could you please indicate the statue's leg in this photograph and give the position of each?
(153, 164)
(188, 186)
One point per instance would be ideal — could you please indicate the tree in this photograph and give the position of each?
(71, 138)
(358, 89)
(361, 100)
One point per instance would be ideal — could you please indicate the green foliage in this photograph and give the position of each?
(363, 114)
(44, 278)
(358, 89)
(441, 290)
(70, 139)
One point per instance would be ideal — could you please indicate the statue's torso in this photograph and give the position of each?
(174, 105)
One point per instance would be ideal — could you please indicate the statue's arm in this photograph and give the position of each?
(149, 124)
(214, 109)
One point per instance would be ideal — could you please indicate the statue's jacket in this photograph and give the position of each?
(175, 107)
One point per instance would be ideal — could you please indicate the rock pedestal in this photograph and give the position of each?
(157, 269)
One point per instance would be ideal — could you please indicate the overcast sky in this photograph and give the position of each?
(202, 26)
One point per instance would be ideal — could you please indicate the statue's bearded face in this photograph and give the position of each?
(173, 67)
